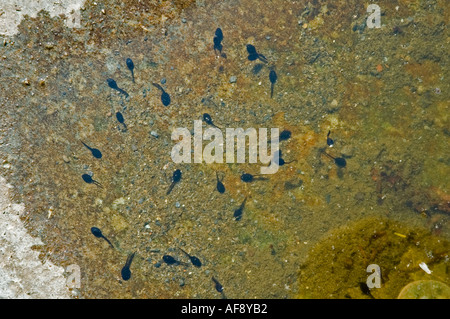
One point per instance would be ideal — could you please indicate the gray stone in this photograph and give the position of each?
(154, 134)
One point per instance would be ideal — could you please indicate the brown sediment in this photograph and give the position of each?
(391, 120)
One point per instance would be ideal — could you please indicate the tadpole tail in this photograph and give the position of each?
(159, 87)
(185, 252)
(328, 155)
(170, 188)
(129, 259)
(123, 92)
(97, 183)
(86, 145)
(243, 203)
(271, 90)
(132, 75)
(107, 240)
(262, 58)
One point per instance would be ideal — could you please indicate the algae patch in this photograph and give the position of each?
(337, 265)
(425, 289)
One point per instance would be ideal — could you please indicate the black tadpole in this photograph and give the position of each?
(220, 187)
(273, 78)
(365, 290)
(121, 120)
(248, 178)
(218, 286)
(95, 152)
(251, 49)
(285, 135)
(176, 177)
(130, 66)
(280, 161)
(98, 233)
(219, 34)
(330, 142)
(218, 37)
(126, 272)
(113, 85)
(165, 97)
(170, 260)
(194, 260)
(88, 179)
(339, 161)
(207, 118)
(254, 55)
(238, 212)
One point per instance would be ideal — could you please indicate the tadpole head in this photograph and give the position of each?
(251, 49)
(87, 178)
(165, 99)
(341, 162)
(207, 118)
(273, 76)
(130, 64)
(285, 135)
(96, 232)
(126, 273)
(176, 177)
(247, 177)
(112, 84)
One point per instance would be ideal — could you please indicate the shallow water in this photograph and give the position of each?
(381, 92)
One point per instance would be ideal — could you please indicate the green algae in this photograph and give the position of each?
(425, 289)
(337, 264)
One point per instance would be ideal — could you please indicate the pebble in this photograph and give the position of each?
(177, 204)
(49, 45)
(154, 134)
(25, 82)
(66, 159)
(183, 20)
(163, 81)
(182, 283)
(233, 79)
